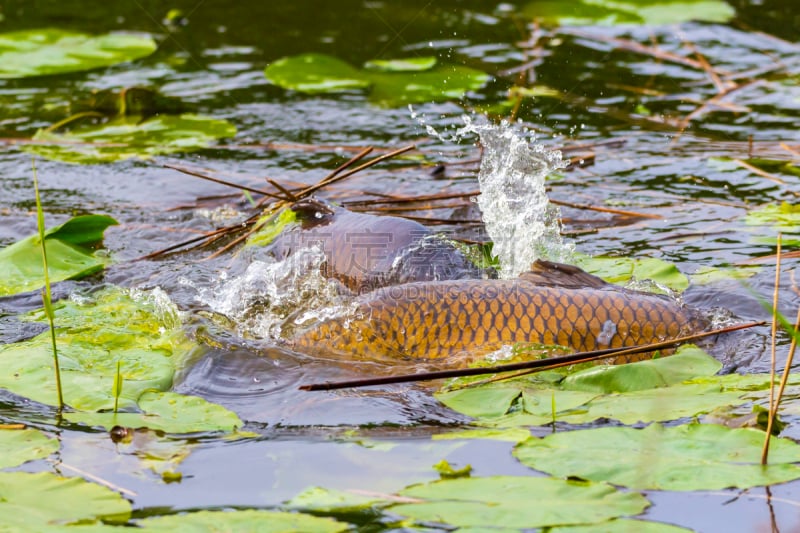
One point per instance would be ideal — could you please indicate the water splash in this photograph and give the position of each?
(520, 220)
(271, 298)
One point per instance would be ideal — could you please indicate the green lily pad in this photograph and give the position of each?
(508, 435)
(139, 328)
(46, 51)
(707, 275)
(622, 525)
(68, 255)
(408, 64)
(623, 269)
(650, 391)
(166, 411)
(324, 500)
(392, 82)
(689, 362)
(19, 446)
(128, 136)
(655, 405)
(250, 520)
(505, 502)
(688, 457)
(32, 502)
(643, 12)
(784, 217)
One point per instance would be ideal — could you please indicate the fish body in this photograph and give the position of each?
(552, 304)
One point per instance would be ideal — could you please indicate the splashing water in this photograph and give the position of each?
(271, 297)
(518, 216)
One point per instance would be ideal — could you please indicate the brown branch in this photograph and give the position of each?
(196, 174)
(542, 364)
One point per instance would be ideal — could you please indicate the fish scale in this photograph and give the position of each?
(431, 320)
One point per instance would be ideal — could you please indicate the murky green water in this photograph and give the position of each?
(214, 62)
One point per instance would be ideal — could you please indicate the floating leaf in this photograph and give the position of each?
(530, 402)
(707, 275)
(166, 411)
(315, 73)
(408, 64)
(623, 269)
(266, 521)
(323, 500)
(655, 405)
(53, 51)
(785, 217)
(19, 446)
(688, 457)
(139, 328)
(129, 136)
(505, 502)
(508, 435)
(645, 12)
(689, 362)
(67, 255)
(31, 502)
(395, 83)
(621, 525)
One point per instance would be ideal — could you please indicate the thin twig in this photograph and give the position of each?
(543, 364)
(773, 345)
(97, 479)
(196, 174)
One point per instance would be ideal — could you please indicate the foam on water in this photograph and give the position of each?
(520, 220)
(271, 298)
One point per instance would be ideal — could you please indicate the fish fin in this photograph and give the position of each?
(550, 274)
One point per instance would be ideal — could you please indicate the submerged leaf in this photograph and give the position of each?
(18, 446)
(67, 258)
(31, 502)
(249, 520)
(392, 82)
(505, 502)
(131, 136)
(54, 51)
(688, 457)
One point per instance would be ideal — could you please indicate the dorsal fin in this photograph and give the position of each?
(549, 274)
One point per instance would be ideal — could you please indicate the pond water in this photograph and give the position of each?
(620, 113)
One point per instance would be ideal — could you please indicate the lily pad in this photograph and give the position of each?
(31, 502)
(784, 217)
(46, 51)
(139, 328)
(688, 457)
(690, 362)
(505, 502)
(129, 136)
(19, 446)
(68, 255)
(624, 269)
(250, 520)
(649, 391)
(622, 525)
(166, 411)
(643, 12)
(392, 82)
(408, 64)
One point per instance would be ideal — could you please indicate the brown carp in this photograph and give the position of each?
(551, 304)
